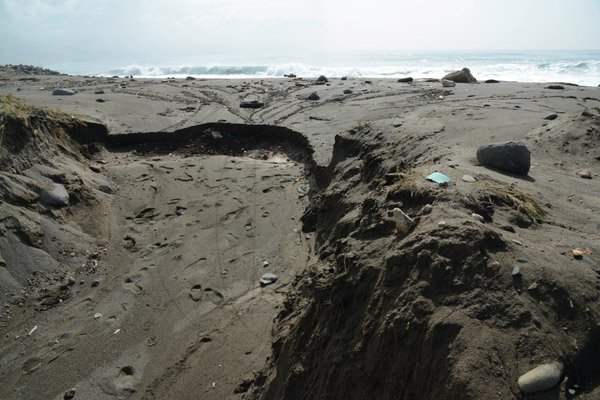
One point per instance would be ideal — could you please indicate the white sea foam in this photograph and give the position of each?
(576, 67)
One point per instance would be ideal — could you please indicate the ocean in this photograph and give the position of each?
(580, 67)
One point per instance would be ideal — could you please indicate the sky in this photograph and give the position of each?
(45, 32)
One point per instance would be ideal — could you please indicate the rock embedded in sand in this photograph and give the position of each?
(55, 196)
(403, 221)
(268, 279)
(69, 394)
(512, 157)
(462, 76)
(555, 87)
(313, 96)
(251, 104)
(63, 92)
(468, 178)
(448, 83)
(321, 80)
(541, 378)
(405, 80)
(491, 81)
(99, 91)
(585, 174)
(551, 117)
(348, 91)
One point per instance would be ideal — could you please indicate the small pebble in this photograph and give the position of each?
(516, 271)
(69, 394)
(478, 217)
(268, 279)
(71, 281)
(97, 315)
(468, 178)
(585, 174)
(265, 264)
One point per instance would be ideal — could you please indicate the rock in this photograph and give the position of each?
(556, 87)
(39, 113)
(432, 80)
(55, 196)
(190, 78)
(577, 253)
(268, 279)
(71, 281)
(348, 91)
(468, 178)
(95, 283)
(427, 209)
(478, 217)
(97, 315)
(516, 271)
(265, 264)
(462, 76)
(512, 157)
(251, 104)
(369, 82)
(289, 75)
(405, 80)
(585, 174)
(100, 100)
(63, 92)
(448, 83)
(344, 78)
(551, 117)
(312, 96)
(321, 80)
(96, 167)
(491, 81)
(541, 378)
(403, 221)
(99, 91)
(69, 394)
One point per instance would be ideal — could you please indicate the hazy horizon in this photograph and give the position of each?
(43, 32)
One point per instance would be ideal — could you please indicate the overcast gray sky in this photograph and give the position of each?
(52, 31)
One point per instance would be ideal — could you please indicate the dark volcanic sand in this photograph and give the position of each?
(359, 310)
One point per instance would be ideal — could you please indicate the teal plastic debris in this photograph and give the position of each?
(438, 177)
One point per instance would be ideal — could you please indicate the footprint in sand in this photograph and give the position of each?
(196, 292)
(123, 385)
(131, 283)
(214, 296)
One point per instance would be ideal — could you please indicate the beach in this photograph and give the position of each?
(145, 282)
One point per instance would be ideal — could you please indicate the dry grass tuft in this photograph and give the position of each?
(513, 196)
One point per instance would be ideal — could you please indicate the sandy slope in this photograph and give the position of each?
(180, 223)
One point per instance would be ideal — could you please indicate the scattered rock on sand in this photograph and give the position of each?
(55, 196)
(468, 178)
(251, 104)
(585, 174)
(462, 76)
(99, 91)
(63, 92)
(551, 117)
(491, 81)
(447, 83)
(344, 78)
(190, 78)
(69, 394)
(348, 91)
(100, 100)
(403, 221)
(95, 167)
(405, 80)
(268, 279)
(321, 80)
(512, 157)
(541, 378)
(556, 87)
(312, 96)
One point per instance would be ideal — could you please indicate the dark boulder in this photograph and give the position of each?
(462, 76)
(321, 80)
(405, 80)
(312, 96)
(491, 81)
(556, 87)
(251, 104)
(551, 117)
(512, 157)
(63, 92)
